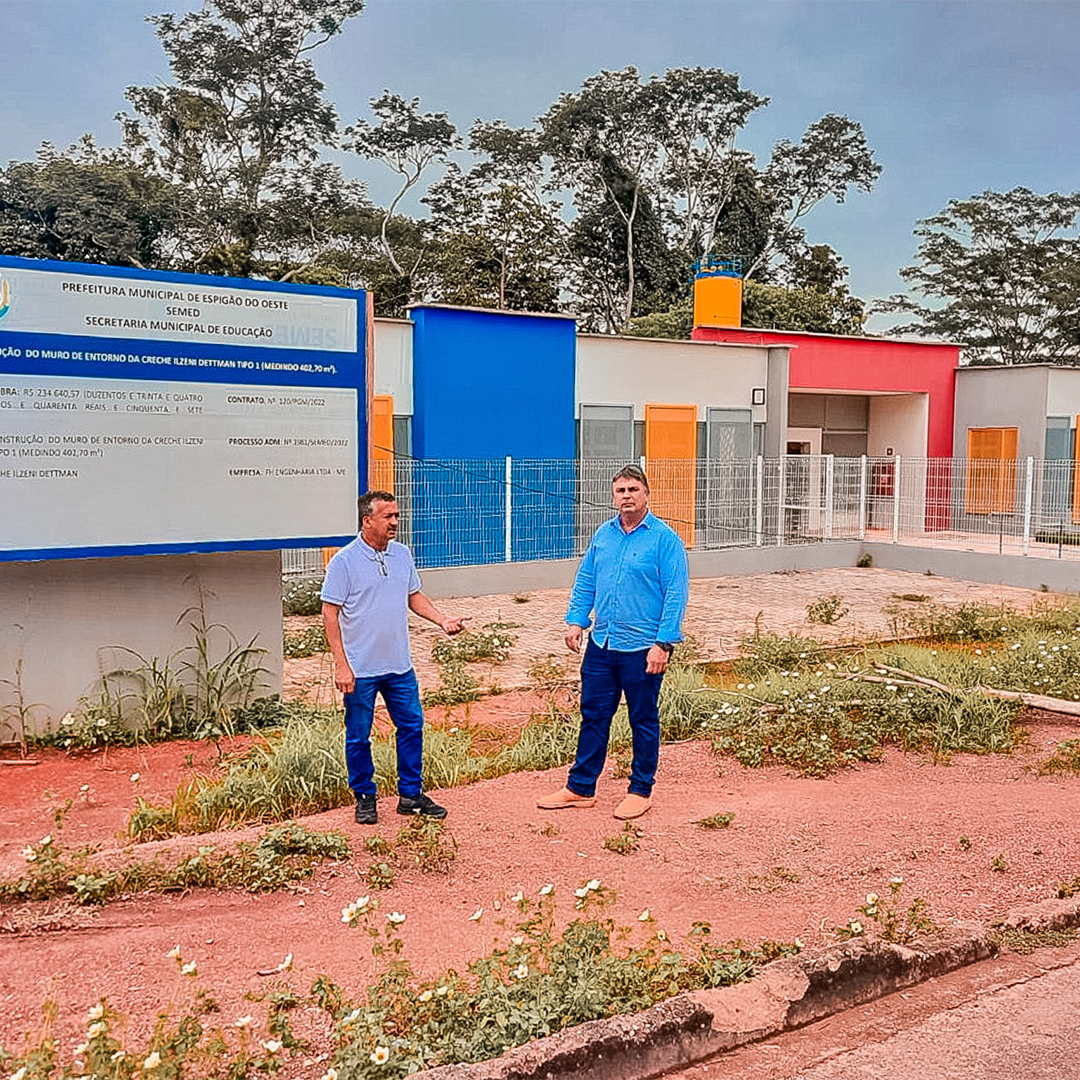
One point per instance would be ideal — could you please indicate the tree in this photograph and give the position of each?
(1001, 272)
(831, 157)
(773, 307)
(492, 246)
(243, 123)
(85, 205)
(407, 142)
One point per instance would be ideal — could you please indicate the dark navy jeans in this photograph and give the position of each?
(605, 676)
(402, 696)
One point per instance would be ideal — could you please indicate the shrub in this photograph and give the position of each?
(300, 596)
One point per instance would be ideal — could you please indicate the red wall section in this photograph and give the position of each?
(823, 362)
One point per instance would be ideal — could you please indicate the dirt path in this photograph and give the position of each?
(797, 861)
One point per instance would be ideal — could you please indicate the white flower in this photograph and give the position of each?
(45, 840)
(189, 969)
(475, 916)
(871, 898)
(103, 722)
(68, 720)
(134, 777)
(581, 893)
(395, 917)
(517, 939)
(174, 953)
(645, 916)
(546, 890)
(29, 854)
(799, 944)
(244, 1021)
(81, 1048)
(521, 971)
(517, 898)
(442, 991)
(352, 1017)
(330, 1074)
(855, 926)
(380, 1056)
(153, 1061)
(425, 996)
(97, 1011)
(593, 885)
(896, 880)
(95, 1029)
(118, 1056)
(271, 1046)
(285, 964)
(19, 1075)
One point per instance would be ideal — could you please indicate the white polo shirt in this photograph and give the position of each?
(372, 588)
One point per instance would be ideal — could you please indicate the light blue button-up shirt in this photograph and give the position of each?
(636, 583)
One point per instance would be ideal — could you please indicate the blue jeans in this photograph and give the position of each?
(605, 676)
(402, 697)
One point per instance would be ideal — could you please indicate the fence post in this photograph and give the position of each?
(862, 497)
(896, 501)
(781, 498)
(1029, 488)
(830, 484)
(759, 512)
(509, 511)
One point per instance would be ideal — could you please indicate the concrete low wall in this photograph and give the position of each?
(1023, 571)
(62, 619)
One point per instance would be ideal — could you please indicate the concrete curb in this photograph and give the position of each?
(786, 994)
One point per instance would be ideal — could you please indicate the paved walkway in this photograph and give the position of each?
(722, 612)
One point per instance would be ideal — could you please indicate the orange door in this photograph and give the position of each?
(381, 421)
(671, 460)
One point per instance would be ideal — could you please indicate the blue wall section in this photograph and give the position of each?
(489, 384)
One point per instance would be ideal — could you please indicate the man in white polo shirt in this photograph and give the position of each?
(371, 584)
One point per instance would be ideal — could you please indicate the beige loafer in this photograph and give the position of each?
(632, 806)
(564, 798)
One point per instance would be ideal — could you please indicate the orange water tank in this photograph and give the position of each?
(718, 291)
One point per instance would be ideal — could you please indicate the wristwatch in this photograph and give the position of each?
(667, 646)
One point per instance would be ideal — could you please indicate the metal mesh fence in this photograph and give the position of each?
(478, 512)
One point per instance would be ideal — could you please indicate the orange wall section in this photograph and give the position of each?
(718, 300)
(670, 462)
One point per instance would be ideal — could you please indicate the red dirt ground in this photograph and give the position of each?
(798, 860)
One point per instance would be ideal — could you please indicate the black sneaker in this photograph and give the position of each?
(420, 805)
(367, 812)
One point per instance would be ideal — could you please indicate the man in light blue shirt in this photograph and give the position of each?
(370, 587)
(634, 578)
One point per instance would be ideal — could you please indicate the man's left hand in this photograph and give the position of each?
(656, 661)
(454, 626)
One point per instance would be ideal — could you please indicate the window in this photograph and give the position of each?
(991, 471)
(607, 432)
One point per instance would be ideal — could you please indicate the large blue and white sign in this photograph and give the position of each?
(148, 413)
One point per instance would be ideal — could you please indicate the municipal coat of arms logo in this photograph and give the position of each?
(5, 298)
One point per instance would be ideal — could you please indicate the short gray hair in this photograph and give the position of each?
(365, 505)
(632, 472)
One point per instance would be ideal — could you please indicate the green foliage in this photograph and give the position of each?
(865, 561)
(1026, 941)
(763, 652)
(892, 923)
(1065, 759)
(773, 307)
(826, 610)
(301, 596)
(492, 642)
(625, 842)
(307, 643)
(676, 322)
(1000, 863)
(543, 982)
(978, 622)
(17, 715)
(456, 686)
(283, 854)
(1000, 272)
(1067, 889)
(716, 821)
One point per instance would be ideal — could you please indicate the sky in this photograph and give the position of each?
(955, 97)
